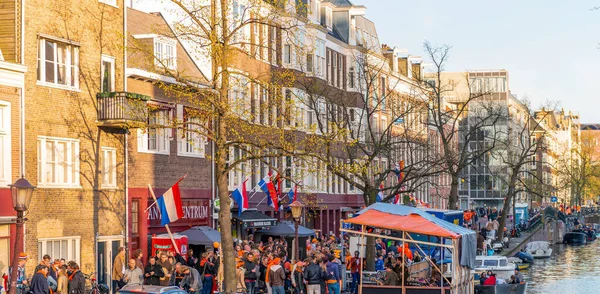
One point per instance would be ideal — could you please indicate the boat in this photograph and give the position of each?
(539, 249)
(502, 289)
(524, 256)
(521, 265)
(575, 238)
(495, 263)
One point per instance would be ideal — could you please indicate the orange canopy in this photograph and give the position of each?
(412, 223)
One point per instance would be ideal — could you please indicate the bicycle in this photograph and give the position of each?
(96, 288)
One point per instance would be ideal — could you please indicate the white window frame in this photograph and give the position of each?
(6, 150)
(162, 136)
(71, 61)
(73, 248)
(109, 168)
(73, 175)
(165, 52)
(111, 60)
(190, 143)
(287, 54)
(112, 3)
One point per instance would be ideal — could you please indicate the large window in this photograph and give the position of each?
(68, 248)
(5, 149)
(287, 54)
(164, 53)
(108, 74)
(5, 247)
(320, 57)
(109, 167)
(58, 63)
(155, 139)
(191, 142)
(58, 162)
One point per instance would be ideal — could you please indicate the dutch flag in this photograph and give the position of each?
(240, 196)
(269, 188)
(170, 206)
(380, 195)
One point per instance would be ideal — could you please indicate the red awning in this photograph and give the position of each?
(412, 223)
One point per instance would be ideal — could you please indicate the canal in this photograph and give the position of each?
(571, 269)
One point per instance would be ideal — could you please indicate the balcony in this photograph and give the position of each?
(122, 109)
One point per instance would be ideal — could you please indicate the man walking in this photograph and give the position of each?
(118, 270)
(39, 282)
(355, 271)
(133, 274)
(153, 272)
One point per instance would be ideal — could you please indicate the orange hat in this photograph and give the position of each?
(314, 240)
(23, 255)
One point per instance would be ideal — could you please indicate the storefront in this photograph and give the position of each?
(7, 230)
(249, 221)
(145, 215)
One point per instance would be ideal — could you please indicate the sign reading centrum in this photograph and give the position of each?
(195, 213)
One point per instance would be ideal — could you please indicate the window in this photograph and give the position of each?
(309, 62)
(58, 63)
(58, 162)
(287, 54)
(109, 2)
(109, 167)
(155, 139)
(320, 57)
(108, 74)
(238, 174)
(351, 78)
(288, 172)
(68, 248)
(164, 53)
(191, 142)
(5, 148)
(135, 221)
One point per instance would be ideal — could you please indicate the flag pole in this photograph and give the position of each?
(167, 226)
(150, 206)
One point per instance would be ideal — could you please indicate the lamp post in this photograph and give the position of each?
(21, 192)
(296, 207)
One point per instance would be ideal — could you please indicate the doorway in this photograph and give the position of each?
(107, 250)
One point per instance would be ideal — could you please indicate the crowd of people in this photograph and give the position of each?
(489, 278)
(49, 277)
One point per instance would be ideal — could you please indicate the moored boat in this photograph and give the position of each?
(539, 249)
(497, 264)
(502, 289)
(575, 238)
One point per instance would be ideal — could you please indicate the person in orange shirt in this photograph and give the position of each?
(407, 253)
(355, 271)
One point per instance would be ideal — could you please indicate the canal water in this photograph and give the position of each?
(570, 269)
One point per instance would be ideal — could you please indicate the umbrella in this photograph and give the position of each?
(286, 229)
(202, 235)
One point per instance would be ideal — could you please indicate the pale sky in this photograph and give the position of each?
(549, 47)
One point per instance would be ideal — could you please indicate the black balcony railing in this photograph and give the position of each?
(122, 109)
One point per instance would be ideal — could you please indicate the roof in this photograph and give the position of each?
(340, 3)
(142, 23)
(202, 235)
(253, 215)
(407, 219)
(286, 228)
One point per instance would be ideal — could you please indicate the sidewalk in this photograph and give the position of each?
(517, 244)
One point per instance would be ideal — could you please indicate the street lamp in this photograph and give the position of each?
(296, 207)
(21, 192)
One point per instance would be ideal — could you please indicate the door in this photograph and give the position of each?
(101, 276)
(108, 248)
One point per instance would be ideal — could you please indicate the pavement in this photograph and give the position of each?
(516, 244)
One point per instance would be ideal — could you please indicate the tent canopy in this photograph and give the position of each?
(407, 219)
(286, 228)
(413, 220)
(202, 235)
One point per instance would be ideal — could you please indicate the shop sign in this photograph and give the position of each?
(195, 212)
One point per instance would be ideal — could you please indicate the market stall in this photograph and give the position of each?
(377, 219)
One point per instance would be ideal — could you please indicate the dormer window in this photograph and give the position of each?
(165, 53)
(327, 17)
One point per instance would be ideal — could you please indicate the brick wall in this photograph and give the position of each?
(62, 113)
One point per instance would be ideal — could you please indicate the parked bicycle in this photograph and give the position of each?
(95, 287)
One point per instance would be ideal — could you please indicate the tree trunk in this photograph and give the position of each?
(369, 197)
(227, 249)
(453, 199)
(506, 206)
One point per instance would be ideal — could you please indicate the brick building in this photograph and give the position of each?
(71, 50)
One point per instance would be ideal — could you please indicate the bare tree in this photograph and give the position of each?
(457, 122)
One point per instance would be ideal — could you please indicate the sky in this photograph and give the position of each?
(549, 47)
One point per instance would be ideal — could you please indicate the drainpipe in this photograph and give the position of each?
(126, 138)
